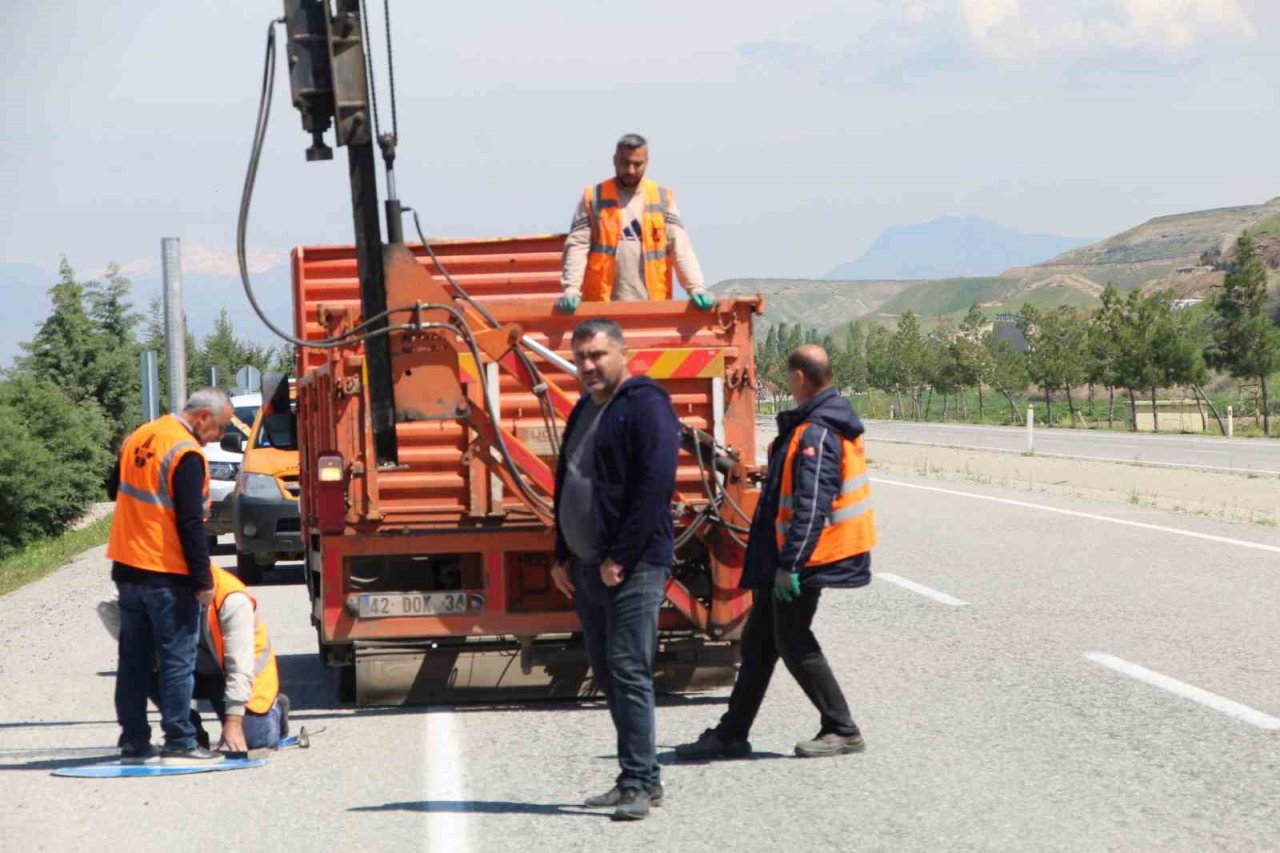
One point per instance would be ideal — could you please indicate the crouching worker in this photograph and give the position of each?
(236, 669)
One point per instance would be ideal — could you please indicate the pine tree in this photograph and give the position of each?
(1244, 340)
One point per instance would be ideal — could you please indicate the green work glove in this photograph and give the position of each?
(705, 301)
(567, 304)
(786, 586)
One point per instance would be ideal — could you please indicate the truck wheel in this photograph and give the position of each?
(248, 568)
(347, 684)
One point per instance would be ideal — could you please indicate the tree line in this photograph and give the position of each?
(1131, 345)
(69, 401)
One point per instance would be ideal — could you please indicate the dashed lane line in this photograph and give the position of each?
(927, 592)
(1231, 708)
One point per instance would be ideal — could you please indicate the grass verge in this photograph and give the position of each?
(39, 558)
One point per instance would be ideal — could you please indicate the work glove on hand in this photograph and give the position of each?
(703, 300)
(786, 586)
(567, 304)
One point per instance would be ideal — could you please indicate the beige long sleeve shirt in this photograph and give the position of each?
(238, 622)
(629, 285)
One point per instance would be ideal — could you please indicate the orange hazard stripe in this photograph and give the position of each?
(701, 363)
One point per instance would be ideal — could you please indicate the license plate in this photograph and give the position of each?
(379, 605)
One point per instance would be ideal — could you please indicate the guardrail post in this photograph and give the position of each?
(1031, 430)
(1231, 425)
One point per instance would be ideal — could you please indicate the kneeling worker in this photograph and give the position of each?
(627, 238)
(236, 669)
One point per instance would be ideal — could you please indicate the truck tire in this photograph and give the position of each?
(347, 684)
(248, 568)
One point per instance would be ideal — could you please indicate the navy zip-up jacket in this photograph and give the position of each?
(636, 444)
(817, 483)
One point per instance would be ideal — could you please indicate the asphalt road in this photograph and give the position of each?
(1226, 455)
(965, 662)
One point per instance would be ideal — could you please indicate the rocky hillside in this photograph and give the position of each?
(1187, 253)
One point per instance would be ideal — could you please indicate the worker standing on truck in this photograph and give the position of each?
(627, 238)
(160, 565)
(236, 669)
(813, 528)
(615, 544)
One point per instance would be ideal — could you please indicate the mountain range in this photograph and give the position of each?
(951, 247)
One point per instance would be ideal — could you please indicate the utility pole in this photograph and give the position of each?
(175, 323)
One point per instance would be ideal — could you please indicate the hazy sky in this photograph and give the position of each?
(793, 132)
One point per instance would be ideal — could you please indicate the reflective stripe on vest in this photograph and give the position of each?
(144, 532)
(848, 528)
(605, 209)
(266, 676)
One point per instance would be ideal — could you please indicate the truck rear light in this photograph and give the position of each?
(329, 469)
(331, 493)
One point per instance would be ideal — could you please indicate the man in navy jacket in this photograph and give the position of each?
(615, 544)
(813, 529)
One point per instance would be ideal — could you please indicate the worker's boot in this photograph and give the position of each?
(138, 754)
(712, 744)
(829, 744)
(283, 701)
(613, 797)
(195, 757)
(632, 805)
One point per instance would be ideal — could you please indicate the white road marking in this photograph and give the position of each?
(1187, 691)
(1099, 436)
(1051, 455)
(1208, 537)
(447, 831)
(941, 597)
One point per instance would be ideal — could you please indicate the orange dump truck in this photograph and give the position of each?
(429, 578)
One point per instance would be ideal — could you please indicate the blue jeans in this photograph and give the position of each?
(620, 628)
(261, 731)
(159, 627)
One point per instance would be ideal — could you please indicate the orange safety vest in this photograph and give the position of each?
(144, 533)
(849, 528)
(266, 676)
(605, 212)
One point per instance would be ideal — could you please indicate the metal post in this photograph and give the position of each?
(150, 366)
(1231, 425)
(1031, 430)
(175, 326)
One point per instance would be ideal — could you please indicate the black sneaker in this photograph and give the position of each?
(632, 805)
(283, 701)
(196, 757)
(829, 744)
(713, 744)
(138, 754)
(613, 797)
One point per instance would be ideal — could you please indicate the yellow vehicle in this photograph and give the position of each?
(264, 505)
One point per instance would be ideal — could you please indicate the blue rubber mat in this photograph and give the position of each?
(115, 769)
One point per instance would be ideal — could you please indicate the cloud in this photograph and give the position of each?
(1014, 30)
(201, 260)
